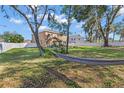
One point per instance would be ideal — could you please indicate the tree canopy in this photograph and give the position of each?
(99, 17)
(12, 37)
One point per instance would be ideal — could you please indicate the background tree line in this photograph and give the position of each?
(12, 37)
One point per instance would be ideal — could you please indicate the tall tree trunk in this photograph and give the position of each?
(99, 39)
(96, 36)
(41, 50)
(120, 38)
(90, 36)
(113, 36)
(106, 44)
(86, 35)
(106, 37)
(67, 41)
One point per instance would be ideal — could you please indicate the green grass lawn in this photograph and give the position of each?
(98, 52)
(24, 68)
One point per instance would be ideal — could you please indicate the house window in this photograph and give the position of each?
(79, 39)
(74, 38)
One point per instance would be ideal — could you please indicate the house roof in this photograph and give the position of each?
(50, 31)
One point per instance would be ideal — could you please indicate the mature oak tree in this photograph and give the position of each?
(104, 17)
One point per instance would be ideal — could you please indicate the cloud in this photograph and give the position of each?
(79, 25)
(16, 21)
(121, 11)
(61, 18)
(73, 20)
(41, 15)
(29, 16)
(43, 27)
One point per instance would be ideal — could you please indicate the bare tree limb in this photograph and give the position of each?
(115, 13)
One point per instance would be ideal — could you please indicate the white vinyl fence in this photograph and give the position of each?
(117, 44)
(97, 44)
(7, 46)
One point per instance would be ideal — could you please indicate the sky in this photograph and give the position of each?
(18, 24)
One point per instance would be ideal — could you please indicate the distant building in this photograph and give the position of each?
(27, 41)
(122, 38)
(1, 40)
(48, 37)
(76, 40)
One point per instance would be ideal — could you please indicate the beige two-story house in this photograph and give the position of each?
(48, 37)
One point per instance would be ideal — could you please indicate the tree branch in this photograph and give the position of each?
(21, 13)
(43, 16)
(115, 13)
(31, 8)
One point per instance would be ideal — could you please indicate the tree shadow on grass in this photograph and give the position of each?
(18, 56)
(35, 75)
(62, 77)
(50, 74)
(37, 80)
(99, 53)
(106, 74)
(48, 71)
(29, 77)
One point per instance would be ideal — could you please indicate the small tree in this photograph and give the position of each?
(67, 10)
(17, 39)
(12, 37)
(63, 27)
